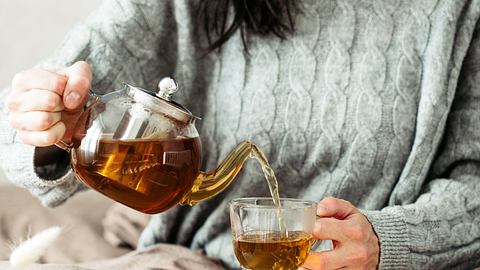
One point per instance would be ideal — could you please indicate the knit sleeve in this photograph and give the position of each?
(441, 228)
(130, 41)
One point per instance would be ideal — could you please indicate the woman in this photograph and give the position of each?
(374, 103)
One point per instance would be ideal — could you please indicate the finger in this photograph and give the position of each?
(123, 228)
(329, 229)
(131, 227)
(112, 238)
(337, 208)
(110, 231)
(110, 234)
(325, 260)
(130, 234)
(39, 79)
(39, 100)
(139, 220)
(78, 86)
(43, 138)
(34, 120)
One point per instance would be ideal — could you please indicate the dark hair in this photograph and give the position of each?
(261, 17)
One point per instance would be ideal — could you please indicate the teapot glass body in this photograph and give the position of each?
(145, 152)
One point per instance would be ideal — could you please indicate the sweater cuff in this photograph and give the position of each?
(392, 233)
(20, 170)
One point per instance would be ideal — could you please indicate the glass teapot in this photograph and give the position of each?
(142, 149)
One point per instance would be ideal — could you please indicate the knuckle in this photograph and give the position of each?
(23, 137)
(13, 121)
(83, 63)
(331, 201)
(348, 203)
(355, 232)
(18, 79)
(51, 102)
(58, 83)
(318, 228)
(82, 82)
(49, 138)
(84, 66)
(11, 102)
(45, 120)
(360, 256)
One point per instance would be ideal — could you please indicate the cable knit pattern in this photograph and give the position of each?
(372, 101)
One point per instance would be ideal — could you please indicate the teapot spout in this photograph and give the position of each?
(211, 183)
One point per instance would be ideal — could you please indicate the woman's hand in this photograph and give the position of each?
(122, 226)
(45, 105)
(355, 243)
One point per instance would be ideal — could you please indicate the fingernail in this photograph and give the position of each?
(321, 209)
(73, 98)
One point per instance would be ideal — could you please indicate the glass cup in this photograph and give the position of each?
(267, 237)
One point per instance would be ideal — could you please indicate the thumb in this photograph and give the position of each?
(78, 85)
(337, 208)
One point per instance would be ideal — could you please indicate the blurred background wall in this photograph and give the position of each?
(32, 29)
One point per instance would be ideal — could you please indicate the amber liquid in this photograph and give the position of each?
(271, 251)
(272, 182)
(147, 175)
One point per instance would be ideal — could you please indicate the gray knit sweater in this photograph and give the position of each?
(376, 102)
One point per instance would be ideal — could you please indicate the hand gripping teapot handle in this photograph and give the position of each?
(92, 98)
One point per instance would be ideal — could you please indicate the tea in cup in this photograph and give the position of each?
(258, 240)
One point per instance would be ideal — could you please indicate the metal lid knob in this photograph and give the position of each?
(167, 86)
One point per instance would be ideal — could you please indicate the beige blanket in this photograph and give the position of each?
(158, 257)
(81, 245)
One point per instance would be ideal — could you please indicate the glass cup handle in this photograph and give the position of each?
(321, 245)
(316, 243)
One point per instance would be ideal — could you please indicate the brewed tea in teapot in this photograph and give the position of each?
(148, 175)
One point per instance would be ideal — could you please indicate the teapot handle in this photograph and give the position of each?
(91, 100)
(64, 146)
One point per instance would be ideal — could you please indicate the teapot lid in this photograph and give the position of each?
(161, 101)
